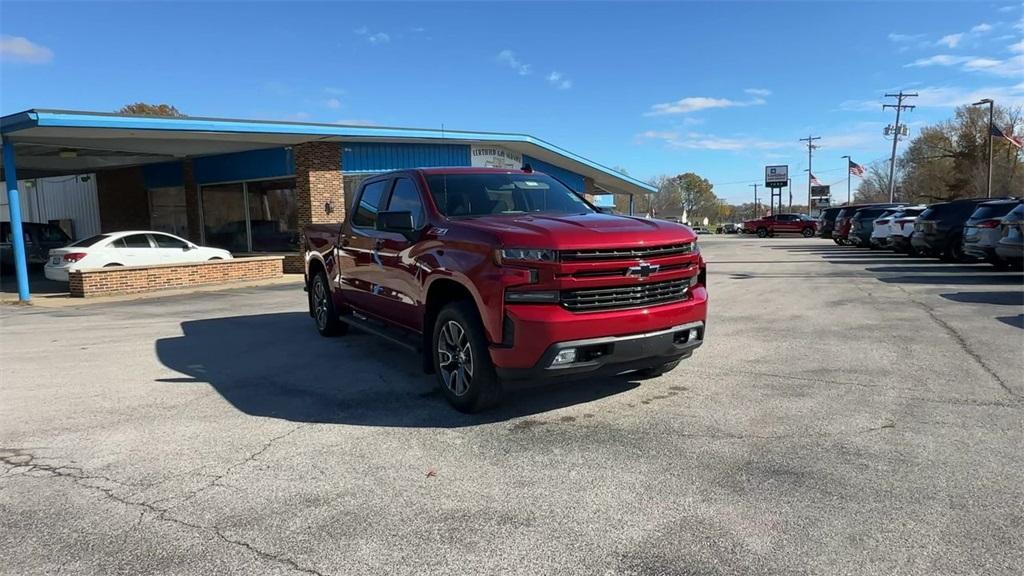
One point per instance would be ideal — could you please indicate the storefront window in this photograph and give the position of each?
(273, 216)
(224, 217)
(257, 216)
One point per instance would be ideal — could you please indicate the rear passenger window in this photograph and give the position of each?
(406, 198)
(135, 241)
(369, 204)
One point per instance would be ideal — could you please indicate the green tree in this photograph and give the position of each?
(144, 109)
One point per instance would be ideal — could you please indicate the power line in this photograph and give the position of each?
(897, 130)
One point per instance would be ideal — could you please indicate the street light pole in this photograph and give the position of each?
(755, 200)
(848, 160)
(991, 113)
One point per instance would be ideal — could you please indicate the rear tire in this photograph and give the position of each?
(954, 252)
(462, 361)
(762, 232)
(321, 307)
(656, 371)
(808, 232)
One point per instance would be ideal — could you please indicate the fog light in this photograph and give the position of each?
(693, 335)
(567, 356)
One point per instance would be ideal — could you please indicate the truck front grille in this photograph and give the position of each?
(626, 253)
(591, 299)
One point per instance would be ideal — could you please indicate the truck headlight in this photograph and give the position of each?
(525, 255)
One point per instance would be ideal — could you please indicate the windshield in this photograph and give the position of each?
(468, 195)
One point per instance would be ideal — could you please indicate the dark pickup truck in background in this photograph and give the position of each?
(499, 275)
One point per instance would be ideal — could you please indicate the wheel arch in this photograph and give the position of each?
(440, 292)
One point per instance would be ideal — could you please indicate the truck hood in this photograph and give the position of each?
(577, 231)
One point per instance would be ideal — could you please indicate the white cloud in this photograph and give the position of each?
(981, 28)
(361, 31)
(699, 141)
(333, 103)
(1018, 47)
(939, 60)
(696, 103)
(1010, 68)
(20, 49)
(379, 38)
(559, 81)
(948, 97)
(509, 58)
(904, 38)
(1005, 9)
(950, 40)
(758, 91)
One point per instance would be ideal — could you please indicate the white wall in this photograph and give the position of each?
(59, 198)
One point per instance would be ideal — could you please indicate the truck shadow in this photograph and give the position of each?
(277, 366)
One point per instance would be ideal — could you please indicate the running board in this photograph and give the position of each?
(394, 335)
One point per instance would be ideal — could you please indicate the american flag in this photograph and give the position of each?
(1015, 140)
(856, 169)
(814, 181)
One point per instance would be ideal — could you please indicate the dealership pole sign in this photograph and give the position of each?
(776, 176)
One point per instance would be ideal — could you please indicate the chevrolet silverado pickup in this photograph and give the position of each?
(497, 275)
(781, 224)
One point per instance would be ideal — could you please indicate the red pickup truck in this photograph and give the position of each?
(781, 224)
(499, 275)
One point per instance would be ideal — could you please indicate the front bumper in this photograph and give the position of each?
(614, 354)
(532, 331)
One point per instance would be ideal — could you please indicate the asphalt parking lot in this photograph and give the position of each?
(852, 412)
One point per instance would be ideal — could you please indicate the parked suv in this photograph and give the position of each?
(982, 230)
(498, 275)
(1010, 248)
(901, 228)
(827, 221)
(781, 224)
(39, 239)
(939, 230)
(861, 225)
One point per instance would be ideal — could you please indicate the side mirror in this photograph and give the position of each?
(188, 247)
(396, 222)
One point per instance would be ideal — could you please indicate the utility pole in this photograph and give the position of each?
(810, 155)
(991, 113)
(848, 160)
(897, 131)
(755, 200)
(789, 186)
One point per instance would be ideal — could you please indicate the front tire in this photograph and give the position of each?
(762, 232)
(321, 307)
(462, 361)
(808, 232)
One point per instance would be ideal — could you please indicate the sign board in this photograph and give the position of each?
(820, 203)
(494, 157)
(776, 176)
(820, 191)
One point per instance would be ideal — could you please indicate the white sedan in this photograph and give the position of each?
(132, 248)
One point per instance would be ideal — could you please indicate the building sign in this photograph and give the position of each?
(776, 176)
(495, 157)
(820, 192)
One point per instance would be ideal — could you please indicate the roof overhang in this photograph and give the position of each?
(53, 142)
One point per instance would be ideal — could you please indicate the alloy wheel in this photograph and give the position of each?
(320, 303)
(455, 358)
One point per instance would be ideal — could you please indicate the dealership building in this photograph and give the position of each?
(245, 185)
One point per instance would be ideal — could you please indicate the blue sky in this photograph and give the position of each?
(720, 89)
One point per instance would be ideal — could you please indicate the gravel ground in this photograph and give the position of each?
(852, 412)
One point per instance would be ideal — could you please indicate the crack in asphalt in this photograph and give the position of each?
(888, 424)
(16, 458)
(966, 348)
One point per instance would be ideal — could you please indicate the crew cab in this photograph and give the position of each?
(497, 275)
(781, 224)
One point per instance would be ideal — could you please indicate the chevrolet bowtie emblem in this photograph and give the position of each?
(642, 269)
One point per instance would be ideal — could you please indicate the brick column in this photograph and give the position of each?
(318, 182)
(188, 180)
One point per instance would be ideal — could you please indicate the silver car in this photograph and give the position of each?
(982, 230)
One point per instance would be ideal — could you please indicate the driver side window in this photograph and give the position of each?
(406, 198)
